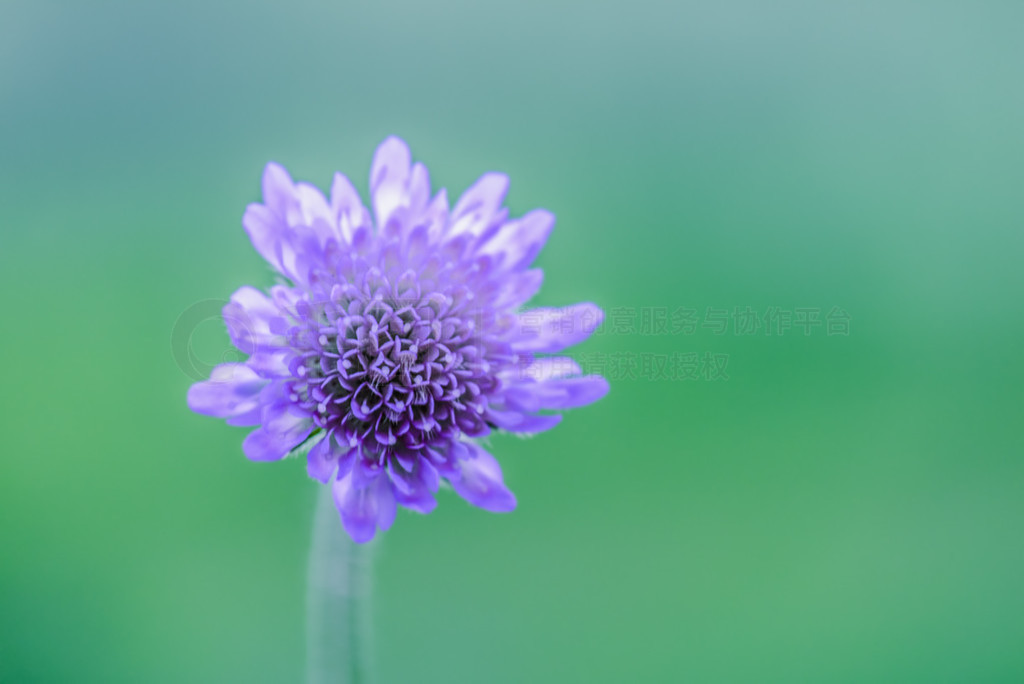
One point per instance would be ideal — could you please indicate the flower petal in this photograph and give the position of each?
(415, 490)
(522, 423)
(363, 509)
(480, 205)
(264, 445)
(311, 209)
(480, 481)
(232, 391)
(386, 504)
(326, 458)
(435, 215)
(278, 188)
(389, 174)
(518, 242)
(348, 209)
(267, 232)
(358, 509)
(292, 226)
(280, 415)
(549, 368)
(419, 189)
(576, 392)
(563, 393)
(249, 316)
(552, 330)
(284, 426)
(271, 364)
(518, 288)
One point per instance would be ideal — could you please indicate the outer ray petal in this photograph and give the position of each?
(389, 175)
(552, 330)
(517, 243)
(480, 481)
(347, 208)
(479, 206)
(232, 390)
(364, 508)
(249, 317)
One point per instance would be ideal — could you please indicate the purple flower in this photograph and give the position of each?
(400, 339)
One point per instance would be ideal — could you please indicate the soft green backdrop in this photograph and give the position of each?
(842, 508)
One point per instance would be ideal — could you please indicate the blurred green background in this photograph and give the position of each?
(842, 508)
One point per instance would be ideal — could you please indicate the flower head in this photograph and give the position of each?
(400, 338)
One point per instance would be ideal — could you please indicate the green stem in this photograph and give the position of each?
(337, 601)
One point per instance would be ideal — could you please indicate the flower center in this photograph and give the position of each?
(392, 367)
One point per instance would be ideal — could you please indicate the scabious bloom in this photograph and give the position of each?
(399, 339)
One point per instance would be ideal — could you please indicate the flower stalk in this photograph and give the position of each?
(338, 601)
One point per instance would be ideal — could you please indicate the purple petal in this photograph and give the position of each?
(363, 509)
(321, 460)
(435, 215)
(564, 393)
(480, 205)
(267, 232)
(419, 188)
(386, 504)
(232, 391)
(552, 330)
(577, 392)
(415, 490)
(277, 188)
(293, 225)
(358, 509)
(284, 427)
(518, 242)
(348, 209)
(523, 423)
(388, 176)
(292, 250)
(518, 288)
(549, 368)
(420, 500)
(326, 458)
(245, 419)
(310, 208)
(271, 364)
(263, 445)
(480, 481)
(280, 415)
(248, 317)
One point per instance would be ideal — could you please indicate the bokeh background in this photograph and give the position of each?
(844, 507)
